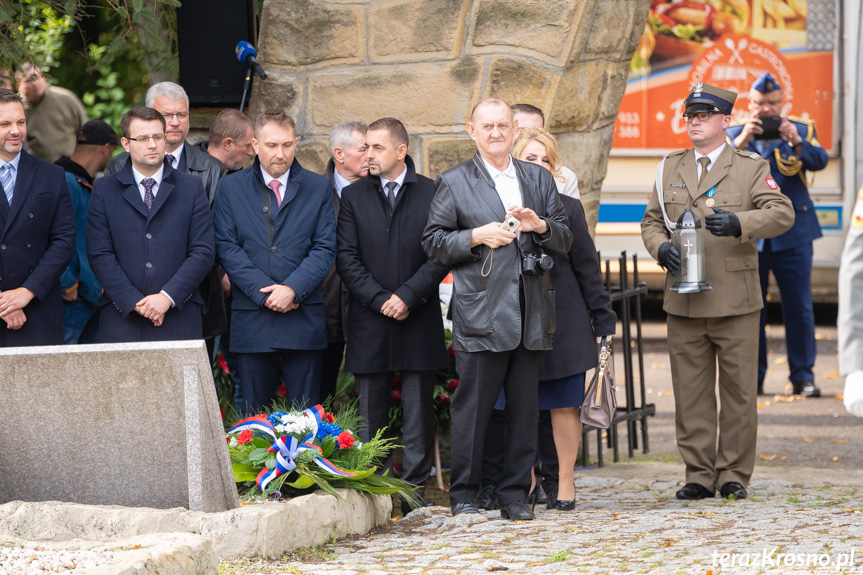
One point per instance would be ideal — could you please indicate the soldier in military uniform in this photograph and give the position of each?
(733, 194)
(792, 152)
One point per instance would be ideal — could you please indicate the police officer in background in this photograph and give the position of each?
(792, 151)
(733, 194)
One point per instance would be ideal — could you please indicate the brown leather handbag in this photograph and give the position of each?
(600, 402)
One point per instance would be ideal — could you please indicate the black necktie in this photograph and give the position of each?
(391, 193)
(169, 160)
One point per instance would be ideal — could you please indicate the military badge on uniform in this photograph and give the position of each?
(771, 183)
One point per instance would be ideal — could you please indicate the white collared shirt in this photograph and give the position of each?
(176, 153)
(399, 182)
(138, 176)
(340, 181)
(714, 155)
(506, 184)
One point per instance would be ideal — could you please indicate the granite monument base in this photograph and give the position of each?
(133, 424)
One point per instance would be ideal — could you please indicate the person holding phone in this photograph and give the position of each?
(791, 146)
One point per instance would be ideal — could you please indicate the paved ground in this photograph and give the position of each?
(804, 515)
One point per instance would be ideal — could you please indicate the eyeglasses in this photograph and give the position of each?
(702, 116)
(177, 115)
(144, 139)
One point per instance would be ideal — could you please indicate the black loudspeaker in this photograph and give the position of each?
(207, 33)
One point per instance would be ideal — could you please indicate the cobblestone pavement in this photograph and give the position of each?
(625, 522)
(806, 497)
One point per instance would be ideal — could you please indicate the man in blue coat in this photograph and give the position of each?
(276, 239)
(792, 151)
(37, 236)
(95, 145)
(149, 240)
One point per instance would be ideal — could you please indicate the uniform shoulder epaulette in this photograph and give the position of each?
(676, 153)
(800, 120)
(737, 124)
(748, 154)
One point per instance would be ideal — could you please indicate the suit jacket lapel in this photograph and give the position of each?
(132, 194)
(165, 189)
(689, 174)
(486, 190)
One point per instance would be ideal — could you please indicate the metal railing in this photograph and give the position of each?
(632, 407)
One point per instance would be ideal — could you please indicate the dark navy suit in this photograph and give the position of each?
(37, 242)
(135, 253)
(789, 255)
(298, 252)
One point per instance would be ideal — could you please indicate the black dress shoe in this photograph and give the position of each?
(517, 510)
(807, 389)
(733, 490)
(694, 491)
(464, 509)
(557, 505)
(486, 498)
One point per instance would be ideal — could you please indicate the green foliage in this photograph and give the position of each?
(108, 101)
(42, 29)
(32, 30)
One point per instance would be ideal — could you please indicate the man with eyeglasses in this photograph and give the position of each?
(149, 240)
(171, 100)
(793, 152)
(54, 115)
(733, 195)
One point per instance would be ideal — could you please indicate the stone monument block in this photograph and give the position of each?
(406, 29)
(443, 153)
(116, 424)
(447, 89)
(535, 25)
(314, 154)
(517, 81)
(299, 33)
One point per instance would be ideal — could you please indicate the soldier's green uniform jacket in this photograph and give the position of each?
(743, 186)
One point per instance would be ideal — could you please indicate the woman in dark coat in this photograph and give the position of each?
(583, 312)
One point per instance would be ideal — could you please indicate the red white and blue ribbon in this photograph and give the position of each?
(288, 448)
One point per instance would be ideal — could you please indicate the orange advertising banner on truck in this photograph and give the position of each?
(728, 44)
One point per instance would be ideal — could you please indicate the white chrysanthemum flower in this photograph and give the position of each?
(233, 441)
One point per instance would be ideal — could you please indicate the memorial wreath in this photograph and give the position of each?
(311, 449)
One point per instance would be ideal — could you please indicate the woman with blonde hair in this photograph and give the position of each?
(583, 311)
(539, 147)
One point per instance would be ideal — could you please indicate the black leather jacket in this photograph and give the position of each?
(486, 310)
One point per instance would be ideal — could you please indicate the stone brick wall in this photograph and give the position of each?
(427, 62)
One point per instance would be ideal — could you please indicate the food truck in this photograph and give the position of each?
(812, 47)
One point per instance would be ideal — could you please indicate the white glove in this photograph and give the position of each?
(853, 396)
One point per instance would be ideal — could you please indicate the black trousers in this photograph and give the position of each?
(546, 468)
(333, 356)
(418, 428)
(482, 376)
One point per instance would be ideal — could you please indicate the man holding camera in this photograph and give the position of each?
(791, 146)
(503, 304)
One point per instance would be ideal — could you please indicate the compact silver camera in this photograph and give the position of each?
(510, 223)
